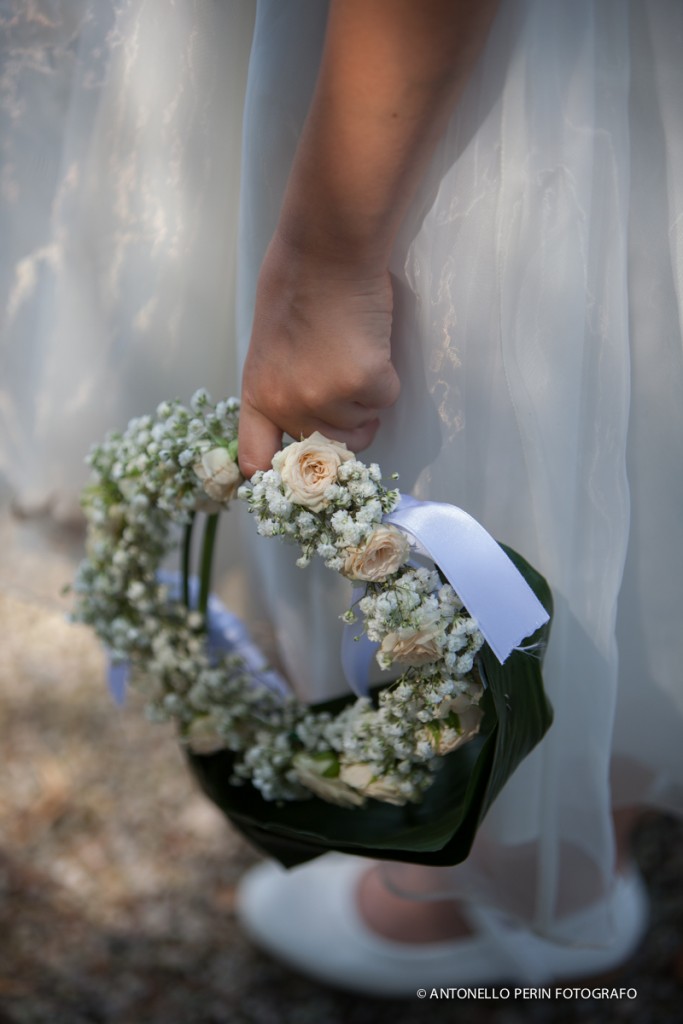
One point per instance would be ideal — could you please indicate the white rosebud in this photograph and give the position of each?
(382, 554)
(219, 474)
(307, 468)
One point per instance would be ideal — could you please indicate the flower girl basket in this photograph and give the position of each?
(403, 771)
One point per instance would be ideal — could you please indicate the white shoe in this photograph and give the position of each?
(307, 918)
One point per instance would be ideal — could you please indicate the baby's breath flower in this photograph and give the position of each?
(147, 481)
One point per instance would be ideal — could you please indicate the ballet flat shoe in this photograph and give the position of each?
(307, 918)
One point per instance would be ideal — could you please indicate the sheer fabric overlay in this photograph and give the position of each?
(119, 170)
(537, 335)
(538, 340)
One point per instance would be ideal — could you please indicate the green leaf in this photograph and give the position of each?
(441, 829)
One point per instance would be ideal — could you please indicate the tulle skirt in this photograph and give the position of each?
(119, 177)
(537, 334)
(538, 340)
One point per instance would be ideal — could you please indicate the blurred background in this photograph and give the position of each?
(117, 877)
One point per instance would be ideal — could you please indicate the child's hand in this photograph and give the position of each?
(319, 356)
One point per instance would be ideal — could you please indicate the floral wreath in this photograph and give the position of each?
(148, 485)
(162, 471)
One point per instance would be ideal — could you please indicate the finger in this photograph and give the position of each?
(339, 421)
(381, 390)
(257, 441)
(348, 413)
(356, 439)
(339, 414)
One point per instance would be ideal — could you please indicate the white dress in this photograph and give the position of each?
(119, 174)
(538, 341)
(538, 335)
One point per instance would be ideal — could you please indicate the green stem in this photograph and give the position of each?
(207, 562)
(185, 564)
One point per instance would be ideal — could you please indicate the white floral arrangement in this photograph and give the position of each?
(148, 485)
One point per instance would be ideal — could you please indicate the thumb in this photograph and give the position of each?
(257, 441)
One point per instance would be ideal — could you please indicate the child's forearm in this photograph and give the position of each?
(390, 74)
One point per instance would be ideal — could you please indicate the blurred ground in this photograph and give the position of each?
(117, 878)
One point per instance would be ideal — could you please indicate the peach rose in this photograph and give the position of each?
(309, 467)
(384, 551)
(446, 737)
(219, 474)
(412, 646)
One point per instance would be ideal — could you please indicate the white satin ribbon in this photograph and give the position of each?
(490, 586)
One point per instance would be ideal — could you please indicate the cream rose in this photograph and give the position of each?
(363, 778)
(411, 646)
(219, 474)
(309, 467)
(383, 553)
(320, 773)
(462, 702)
(446, 737)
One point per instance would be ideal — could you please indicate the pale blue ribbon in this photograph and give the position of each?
(118, 677)
(490, 586)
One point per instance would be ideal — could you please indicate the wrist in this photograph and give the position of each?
(304, 248)
(322, 230)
